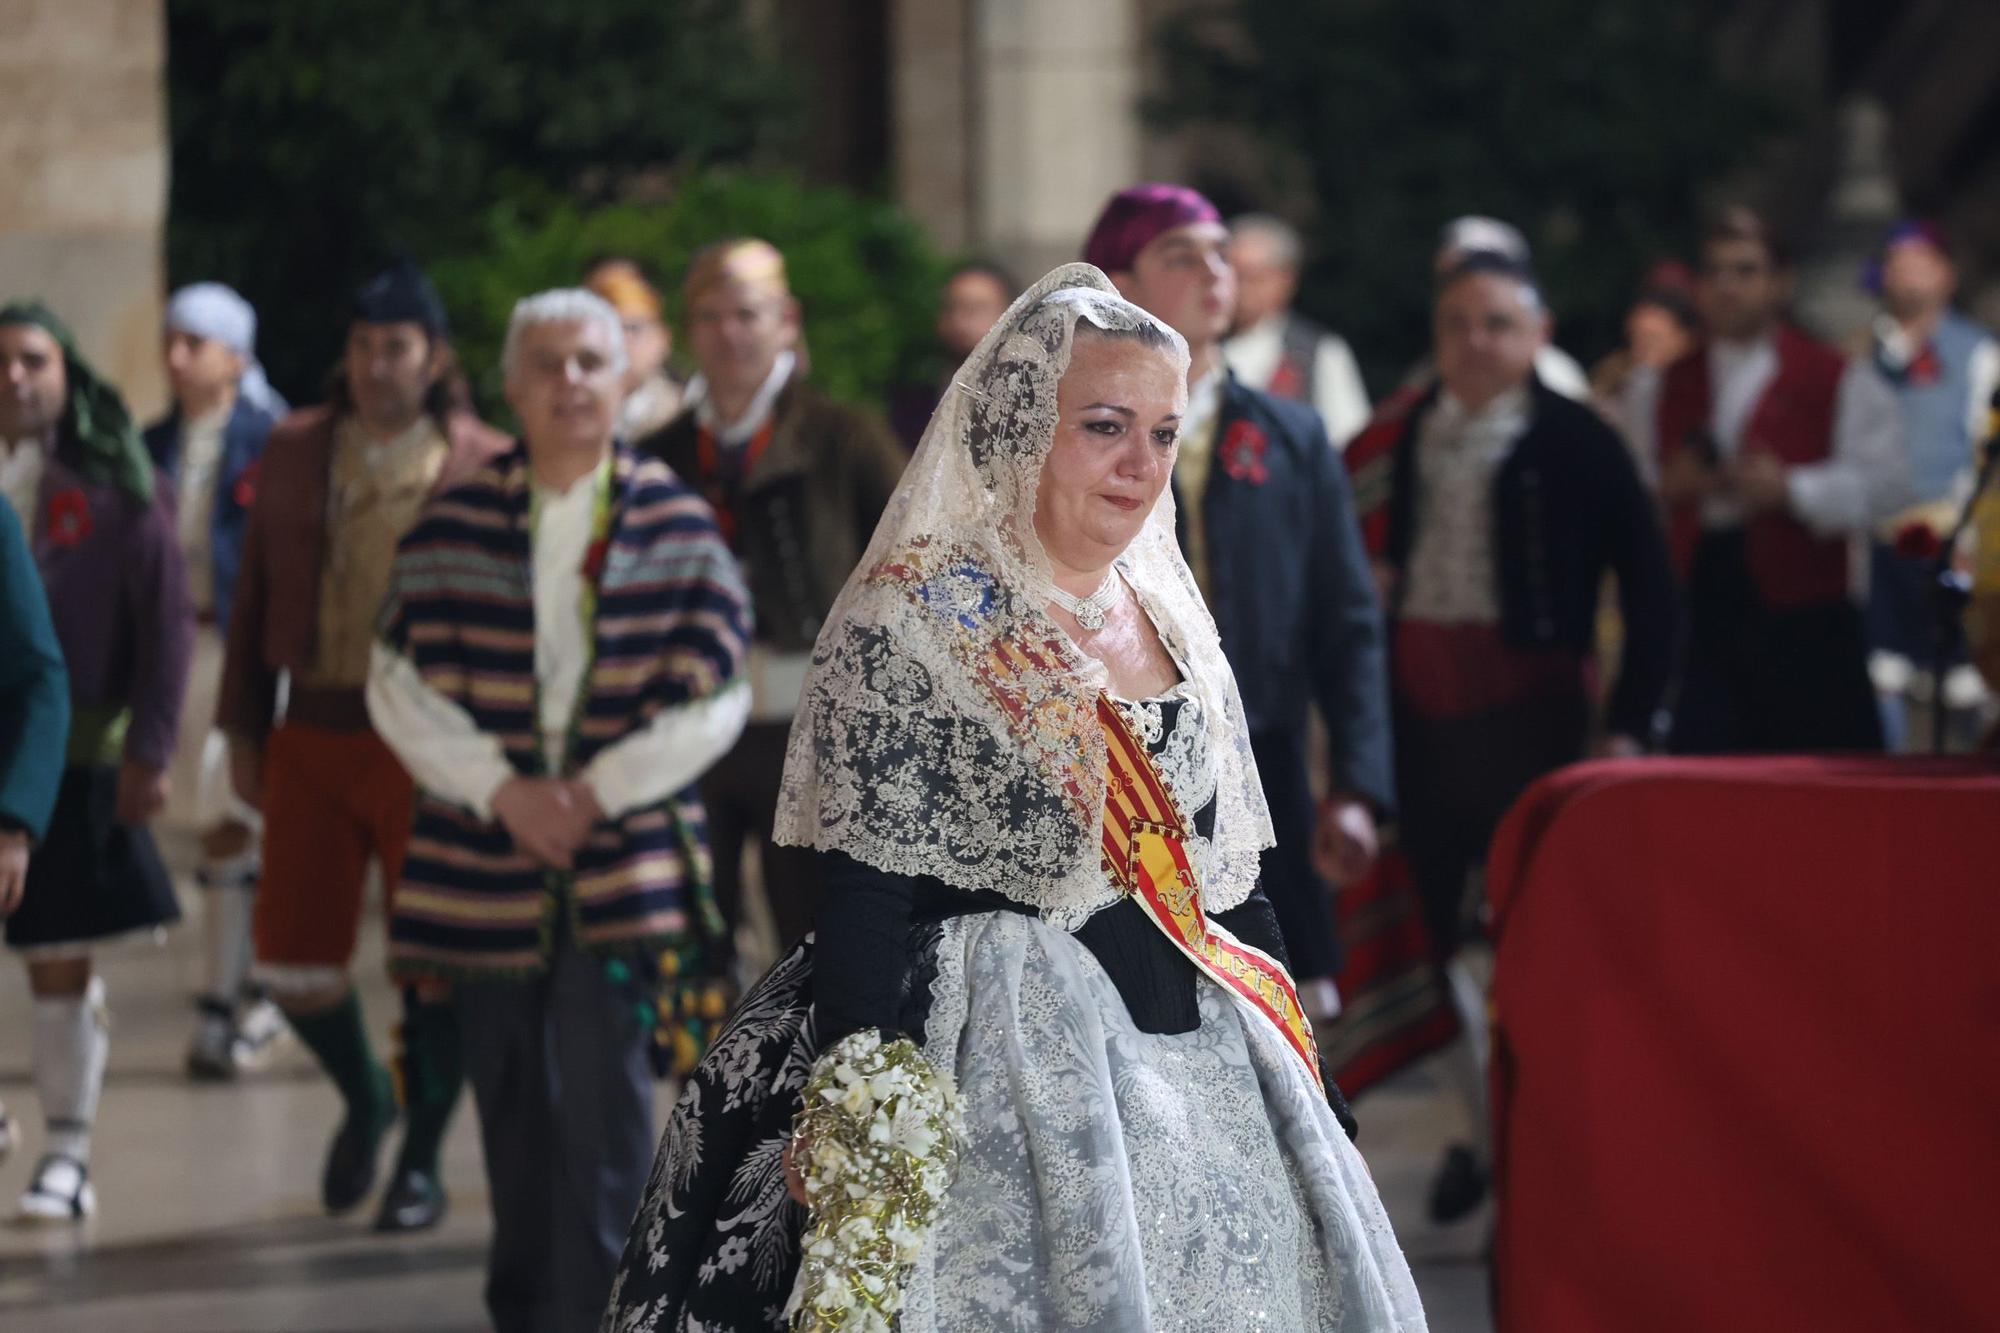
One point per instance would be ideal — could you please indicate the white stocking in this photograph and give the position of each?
(229, 906)
(72, 1042)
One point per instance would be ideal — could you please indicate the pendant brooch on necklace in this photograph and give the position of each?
(1089, 611)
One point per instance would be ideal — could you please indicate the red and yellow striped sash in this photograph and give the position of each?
(1145, 851)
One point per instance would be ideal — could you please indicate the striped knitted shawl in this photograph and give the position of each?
(671, 626)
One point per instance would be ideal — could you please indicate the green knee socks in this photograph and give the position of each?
(338, 1038)
(430, 1076)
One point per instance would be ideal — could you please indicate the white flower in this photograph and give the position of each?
(856, 1100)
(865, 1042)
(734, 1252)
(912, 1132)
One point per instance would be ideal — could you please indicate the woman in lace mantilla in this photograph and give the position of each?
(1148, 1148)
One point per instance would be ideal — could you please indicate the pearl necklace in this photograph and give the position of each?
(1089, 611)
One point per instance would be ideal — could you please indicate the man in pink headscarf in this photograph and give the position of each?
(1266, 520)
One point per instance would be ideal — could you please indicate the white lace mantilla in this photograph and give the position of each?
(949, 728)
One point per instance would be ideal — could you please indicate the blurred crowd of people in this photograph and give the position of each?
(544, 683)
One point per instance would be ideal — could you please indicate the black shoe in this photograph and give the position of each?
(350, 1161)
(209, 1058)
(414, 1202)
(1460, 1186)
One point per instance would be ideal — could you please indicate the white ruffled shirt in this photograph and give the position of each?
(449, 756)
(1452, 578)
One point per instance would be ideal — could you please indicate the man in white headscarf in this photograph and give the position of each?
(209, 443)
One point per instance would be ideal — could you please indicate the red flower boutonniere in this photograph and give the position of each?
(593, 560)
(1916, 541)
(246, 486)
(1928, 368)
(1242, 453)
(68, 518)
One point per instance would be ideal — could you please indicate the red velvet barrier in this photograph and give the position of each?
(1747, 1048)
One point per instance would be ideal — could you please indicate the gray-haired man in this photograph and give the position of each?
(1279, 350)
(560, 659)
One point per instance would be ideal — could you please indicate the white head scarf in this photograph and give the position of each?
(949, 727)
(1475, 232)
(214, 311)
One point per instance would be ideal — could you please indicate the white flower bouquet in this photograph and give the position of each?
(878, 1140)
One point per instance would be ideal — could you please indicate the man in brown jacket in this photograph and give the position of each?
(338, 487)
(797, 482)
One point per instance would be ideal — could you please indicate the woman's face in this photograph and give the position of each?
(1118, 422)
(1655, 336)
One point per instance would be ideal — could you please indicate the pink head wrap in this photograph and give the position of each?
(1135, 216)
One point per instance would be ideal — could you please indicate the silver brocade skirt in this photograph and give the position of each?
(1113, 1179)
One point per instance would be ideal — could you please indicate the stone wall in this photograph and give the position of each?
(83, 140)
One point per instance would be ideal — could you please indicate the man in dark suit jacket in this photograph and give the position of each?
(797, 482)
(1267, 522)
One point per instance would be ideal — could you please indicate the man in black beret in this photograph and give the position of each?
(337, 487)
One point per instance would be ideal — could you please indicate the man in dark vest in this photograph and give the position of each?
(1495, 507)
(1776, 458)
(1279, 350)
(1944, 368)
(1267, 523)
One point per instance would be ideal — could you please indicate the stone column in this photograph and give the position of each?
(1060, 129)
(932, 102)
(83, 131)
(1015, 119)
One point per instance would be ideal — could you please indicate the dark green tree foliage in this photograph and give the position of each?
(861, 270)
(1593, 125)
(313, 139)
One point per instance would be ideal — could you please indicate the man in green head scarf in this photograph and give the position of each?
(103, 545)
(77, 410)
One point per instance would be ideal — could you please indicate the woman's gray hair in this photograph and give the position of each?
(563, 305)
